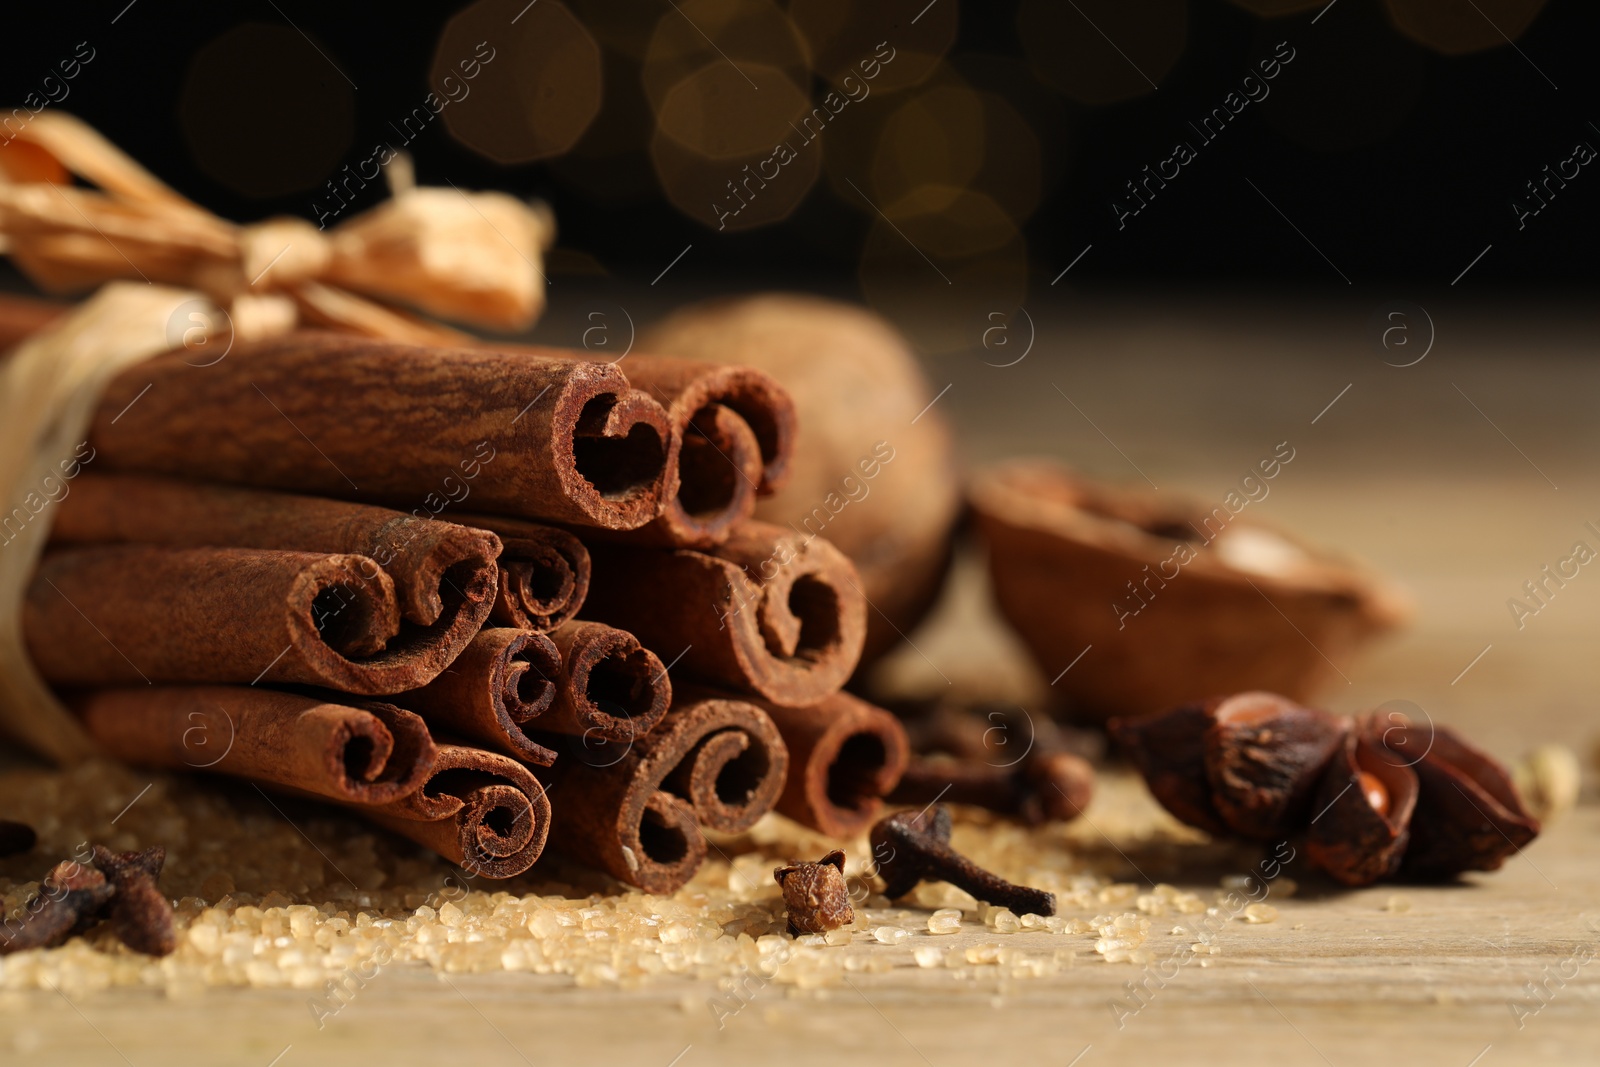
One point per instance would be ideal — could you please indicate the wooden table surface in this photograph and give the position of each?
(1462, 475)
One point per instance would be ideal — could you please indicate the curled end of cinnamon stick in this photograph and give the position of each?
(612, 688)
(616, 451)
(733, 775)
(847, 755)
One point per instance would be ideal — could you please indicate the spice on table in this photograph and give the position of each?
(16, 837)
(969, 758)
(141, 915)
(1374, 797)
(910, 847)
(69, 896)
(815, 895)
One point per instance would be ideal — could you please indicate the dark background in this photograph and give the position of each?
(1399, 163)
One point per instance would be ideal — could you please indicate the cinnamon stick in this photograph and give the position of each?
(430, 561)
(501, 683)
(713, 761)
(544, 573)
(767, 612)
(116, 614)
(611, 689)
(737, 425)
(845, 756)
(370, 754)
(479, 809)
(533, 434)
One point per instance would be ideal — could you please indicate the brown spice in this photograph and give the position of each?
(768, 612)
(1374, 798)
(537, 434)
(816, 895)
(70, 896)
(544, 573)
(141, 915)
(910, 847)
(845, 756)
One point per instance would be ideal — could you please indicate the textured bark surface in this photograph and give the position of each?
(768, 613)
(738, 428)
(421, 555)
(610, 688)
(845, 756)
(530, 433)
(136, 613)
(368, 754)
(497, 689)
(859, 396)
(713, 761)
(479, 809)
(544, 573)
(1172, 612)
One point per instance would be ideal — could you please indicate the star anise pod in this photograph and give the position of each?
(1372, 799)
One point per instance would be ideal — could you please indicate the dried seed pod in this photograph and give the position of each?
(1469, 816)
(1363, 811)
(1264, 755)
(1168, 749)
(815, 895)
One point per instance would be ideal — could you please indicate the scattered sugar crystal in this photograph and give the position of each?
(1398, 903)
(1003, 921)
(944, 921)
(890, 935)
(1260, 913)
(928, 955)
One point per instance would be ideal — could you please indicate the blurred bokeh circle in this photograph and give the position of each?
(751, 38)
(1457, 27)
(264, 112)
(897, 43)
(517, 85)
(1103, 51)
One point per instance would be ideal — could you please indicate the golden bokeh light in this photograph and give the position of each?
(749, 37)
(264, 112)
(716, 114)
(734, 158)
(843, 34)
(1459, 27)
(517, 87)
(1103, 51)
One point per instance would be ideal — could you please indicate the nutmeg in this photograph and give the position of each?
(874, 468)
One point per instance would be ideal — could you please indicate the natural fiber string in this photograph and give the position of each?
(49, 388)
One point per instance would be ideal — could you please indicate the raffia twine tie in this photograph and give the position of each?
(469, 257)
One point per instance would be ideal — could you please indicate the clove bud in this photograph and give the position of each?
(912, 847)
(816, 895)
(141, 915)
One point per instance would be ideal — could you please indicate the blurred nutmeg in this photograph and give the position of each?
(873, 471)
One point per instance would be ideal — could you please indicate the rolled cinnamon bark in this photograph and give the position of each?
(767, 612)
(529, 433)
(714, 761)
(479, 809)
(737, 425)
(845, 756)
(115, 614)
(430, 561)
(501, 683)
(611, 689)
(544, 573)
(368, 754)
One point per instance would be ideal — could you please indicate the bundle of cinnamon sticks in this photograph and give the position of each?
(490, 598)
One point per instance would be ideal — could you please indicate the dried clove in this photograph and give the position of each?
(911, 847)
(1372, 802)
(16, 837)
(815, 895)
(69, 898)
(972, 764)
(141, 915)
